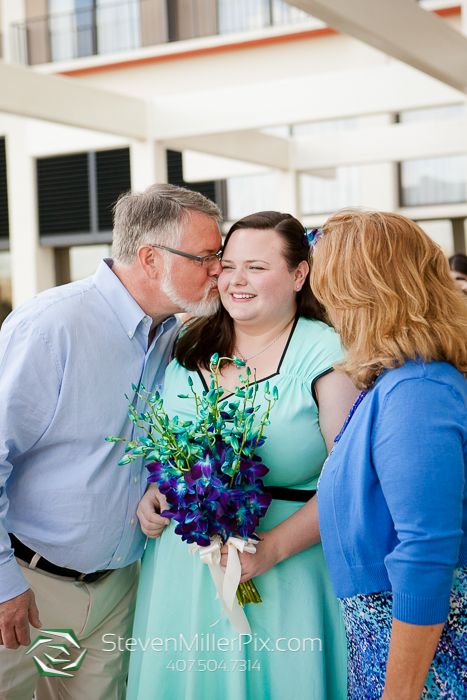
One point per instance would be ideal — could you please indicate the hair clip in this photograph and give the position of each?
(311, 239)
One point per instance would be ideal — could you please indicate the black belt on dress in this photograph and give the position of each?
(26, 554)
(280, 493)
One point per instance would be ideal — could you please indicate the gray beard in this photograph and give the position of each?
(207, 306)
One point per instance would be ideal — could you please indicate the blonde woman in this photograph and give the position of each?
(392, 497)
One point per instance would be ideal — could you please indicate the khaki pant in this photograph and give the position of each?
(91, 611)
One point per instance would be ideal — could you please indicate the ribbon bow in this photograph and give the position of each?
(227, 583)
(310, 239)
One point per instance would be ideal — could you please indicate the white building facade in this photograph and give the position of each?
(256, 103)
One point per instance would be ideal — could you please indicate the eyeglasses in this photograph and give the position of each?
(206, 261)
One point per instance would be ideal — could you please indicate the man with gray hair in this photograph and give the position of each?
(69, 534)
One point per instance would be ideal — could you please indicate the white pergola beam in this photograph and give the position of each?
(383, 144)
(250, 146)
(402, 29)
(27, 93)
(380, 89)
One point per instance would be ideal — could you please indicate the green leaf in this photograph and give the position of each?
(112, 439)
(126, 460)
(183, 396)
(190, 381)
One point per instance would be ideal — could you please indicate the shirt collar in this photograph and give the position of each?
(126, 309)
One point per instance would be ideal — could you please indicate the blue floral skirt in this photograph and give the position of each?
(368, 620)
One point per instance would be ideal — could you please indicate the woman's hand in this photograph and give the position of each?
(152, 503)
(292, 535)
(253, 565)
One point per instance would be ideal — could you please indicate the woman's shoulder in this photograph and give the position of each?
(314, 348)
(175, 372)
(442, 373)
(423, 384)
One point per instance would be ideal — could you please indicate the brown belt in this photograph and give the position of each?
(26, 554)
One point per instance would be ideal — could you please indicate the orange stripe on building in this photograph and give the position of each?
(283, 38)
(240, 46)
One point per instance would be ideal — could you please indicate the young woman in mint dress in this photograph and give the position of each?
(392, 496)
(296, 648)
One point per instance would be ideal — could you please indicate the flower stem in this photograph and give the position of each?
(248, 593)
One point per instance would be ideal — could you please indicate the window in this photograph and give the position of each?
(76, 194)
(5, 285)
(429, 114)
(214, 190)
(324, 195)
(4, 222)
(85, 259)
(251, 193)
(433, 181)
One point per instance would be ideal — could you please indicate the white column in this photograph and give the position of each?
(32, 267)
(12, 11)
(288, 196)
(148, 163)
(379, 186)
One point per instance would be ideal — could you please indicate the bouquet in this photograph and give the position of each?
(209, 473)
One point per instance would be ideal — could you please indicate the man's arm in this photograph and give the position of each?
(29, 389)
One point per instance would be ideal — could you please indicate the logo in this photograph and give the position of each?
(57, 639)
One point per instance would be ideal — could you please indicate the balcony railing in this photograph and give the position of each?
(105, 26)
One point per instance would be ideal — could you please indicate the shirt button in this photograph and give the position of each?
(132, 521)
(145, 320)
(136, 479)
(119, 559)
(130, 334)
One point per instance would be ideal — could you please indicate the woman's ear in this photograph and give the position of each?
(300, 275)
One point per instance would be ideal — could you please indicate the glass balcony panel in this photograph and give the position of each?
(118, 25)
(243, 15)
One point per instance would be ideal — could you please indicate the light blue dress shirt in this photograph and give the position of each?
(67, 359)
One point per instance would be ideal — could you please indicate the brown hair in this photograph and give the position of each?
(391, 284)
(205, 336)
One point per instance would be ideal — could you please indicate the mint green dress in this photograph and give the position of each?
(185, 649)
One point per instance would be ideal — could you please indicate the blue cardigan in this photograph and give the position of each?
(392, 497)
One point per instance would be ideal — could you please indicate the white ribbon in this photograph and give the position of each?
(227, 584)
